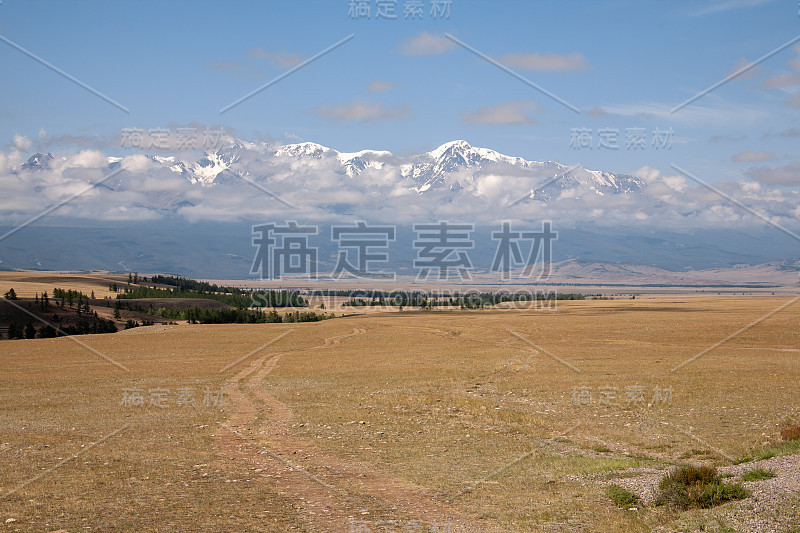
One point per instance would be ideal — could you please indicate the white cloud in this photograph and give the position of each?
(780, 81)
(21, 143)
(322, 192)
(425, 44)
(546, 62)
(658, 183)
(519, 112)
(787, 82)
(749, 156)
(87, 159)
(378, 86)
(281, 58)
(361, 112)
(778, 176)
(137, 163)
(693, 115)
(751, 73)
(647, 174)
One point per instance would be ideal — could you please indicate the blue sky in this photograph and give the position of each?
(400, 85)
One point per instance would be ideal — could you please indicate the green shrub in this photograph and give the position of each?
(622, 497)
(757, 474)
(692, 486)
(718, 493)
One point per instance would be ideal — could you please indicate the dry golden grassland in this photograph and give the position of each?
(28, 284)
(495, 420)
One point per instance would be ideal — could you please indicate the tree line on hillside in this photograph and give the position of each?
(239, 300)
(196, 315)
(180, 287)
(83, 327)
(133, 277)
(181, 283)
(193, 285)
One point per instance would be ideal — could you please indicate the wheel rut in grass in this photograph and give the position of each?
(333, 493)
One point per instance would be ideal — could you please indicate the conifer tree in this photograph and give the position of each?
(14, 331)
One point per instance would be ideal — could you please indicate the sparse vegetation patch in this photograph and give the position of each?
(701, 487)
(757, 474)
(622, 497)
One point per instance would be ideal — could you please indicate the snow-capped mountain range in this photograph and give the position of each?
(220, 194)
(455, 167)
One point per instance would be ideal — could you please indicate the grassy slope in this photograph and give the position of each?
(448, 401)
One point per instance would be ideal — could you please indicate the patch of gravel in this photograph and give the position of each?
(773, 506)
(641, 481)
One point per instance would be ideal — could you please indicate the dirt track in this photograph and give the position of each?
(333, 493)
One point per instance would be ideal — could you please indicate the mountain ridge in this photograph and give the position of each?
(454, 166)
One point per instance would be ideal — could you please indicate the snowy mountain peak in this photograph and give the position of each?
(208, 168)
(303, 149)
(38, 161)
(451, 147)
(463, 150)
(454, 168)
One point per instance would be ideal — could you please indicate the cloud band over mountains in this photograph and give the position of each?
(261, 181)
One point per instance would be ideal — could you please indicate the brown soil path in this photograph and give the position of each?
(333, 493)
